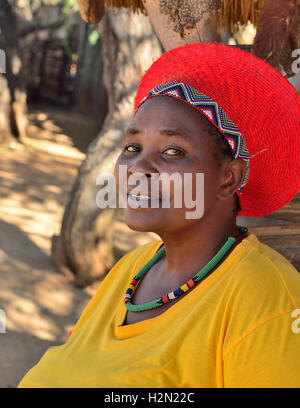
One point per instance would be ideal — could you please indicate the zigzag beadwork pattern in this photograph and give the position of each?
(213, 112)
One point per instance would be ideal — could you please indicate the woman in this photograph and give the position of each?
(208, 305)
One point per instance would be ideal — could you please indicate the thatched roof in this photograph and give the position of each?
(240, 11)
(133, 4)
(231, 11)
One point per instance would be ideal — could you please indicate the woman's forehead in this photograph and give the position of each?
(168, 111)
(167, 118)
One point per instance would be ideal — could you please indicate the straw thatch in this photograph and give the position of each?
(233, 12)
(132, 4)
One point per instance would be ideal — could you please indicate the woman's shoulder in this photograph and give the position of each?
(263, 280)
(261, 289)
(267, 262)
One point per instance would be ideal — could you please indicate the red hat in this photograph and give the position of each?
(261, 104)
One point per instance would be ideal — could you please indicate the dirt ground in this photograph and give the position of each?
(39, 306)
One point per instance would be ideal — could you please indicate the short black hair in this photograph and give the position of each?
(222, 151)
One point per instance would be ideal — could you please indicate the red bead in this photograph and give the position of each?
(191, 283)
(165, 299)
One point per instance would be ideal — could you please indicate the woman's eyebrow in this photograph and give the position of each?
(180, 133)
(132, 131)
(174, 132)
(164, 132)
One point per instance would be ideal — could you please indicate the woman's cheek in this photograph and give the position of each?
(116, 170)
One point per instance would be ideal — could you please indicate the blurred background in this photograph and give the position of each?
(68, 75)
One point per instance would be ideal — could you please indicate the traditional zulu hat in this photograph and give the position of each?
(252, 104)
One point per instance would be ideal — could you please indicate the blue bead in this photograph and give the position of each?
(178, 292)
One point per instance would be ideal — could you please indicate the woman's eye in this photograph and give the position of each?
(173, 152)
(130, 148)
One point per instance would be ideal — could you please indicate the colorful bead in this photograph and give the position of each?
(191, 283)
(178, 292)
(184, 287)
(171, 295)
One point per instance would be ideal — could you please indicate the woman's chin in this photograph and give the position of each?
(142, 222)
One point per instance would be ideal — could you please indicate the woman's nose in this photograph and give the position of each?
(142, 166)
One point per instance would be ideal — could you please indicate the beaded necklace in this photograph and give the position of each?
(182, 289)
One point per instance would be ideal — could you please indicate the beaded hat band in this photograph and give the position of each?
(214, 113)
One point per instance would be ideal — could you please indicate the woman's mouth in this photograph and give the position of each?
(141, 197)
(143, 201)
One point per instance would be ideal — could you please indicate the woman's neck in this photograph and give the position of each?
(188, 250)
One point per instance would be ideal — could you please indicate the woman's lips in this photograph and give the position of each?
(148, 200)
(143, 196)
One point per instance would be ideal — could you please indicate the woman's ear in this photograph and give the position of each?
(232, 177)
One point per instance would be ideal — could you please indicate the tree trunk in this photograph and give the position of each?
(90, 96)
(194, 21)
(5, 107)
(14, 76)
(85, 245)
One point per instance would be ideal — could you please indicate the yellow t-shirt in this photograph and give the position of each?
(237, 328)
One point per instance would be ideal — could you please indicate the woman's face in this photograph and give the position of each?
(167, 136)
